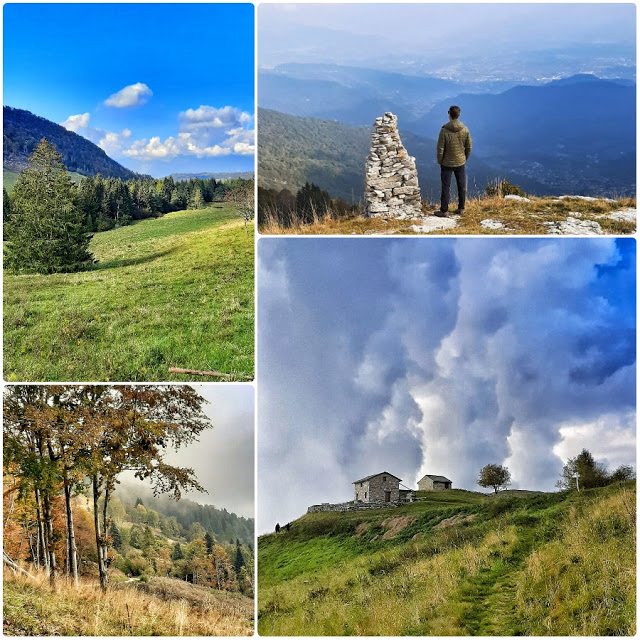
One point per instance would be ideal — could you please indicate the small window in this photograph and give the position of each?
(384, 478)
(365, 494)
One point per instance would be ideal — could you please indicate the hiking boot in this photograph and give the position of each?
(458, 212)
(440, 213)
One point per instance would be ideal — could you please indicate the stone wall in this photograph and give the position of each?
(352, 506)
(391, 178)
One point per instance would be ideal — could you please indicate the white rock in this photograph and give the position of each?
(491, 224)
(574, 227)
(586, 198)
(432, 223)
(624, 215)
(512, 196)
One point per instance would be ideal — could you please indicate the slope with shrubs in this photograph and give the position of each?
(457, 563)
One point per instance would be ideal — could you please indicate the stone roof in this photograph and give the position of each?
(382, 473)
(435, 478)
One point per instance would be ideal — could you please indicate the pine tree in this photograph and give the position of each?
(45, 233)
(238, 562)
(177, 553)
(6, 205)
(209, 541)
(116, 537)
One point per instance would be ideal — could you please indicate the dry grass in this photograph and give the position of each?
(553, 593)
(163, 607)
(518, 218)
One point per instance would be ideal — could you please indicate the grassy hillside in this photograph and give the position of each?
(483, 215)
(457, 563)
(160, 607)
(174, 291)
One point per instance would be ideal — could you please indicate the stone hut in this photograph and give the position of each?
(391, 178)
(380, 487)
(434, 483)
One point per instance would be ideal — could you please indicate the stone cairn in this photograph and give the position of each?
(391, 180)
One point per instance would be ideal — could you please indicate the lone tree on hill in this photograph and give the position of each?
(494, 475)
(243, 197)
(45, 231)
(590, 474)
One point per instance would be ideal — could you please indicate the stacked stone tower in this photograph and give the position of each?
(391, 180)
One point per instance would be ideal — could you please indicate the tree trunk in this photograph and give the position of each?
(72, 549)
(100, 541)
(43, 537)
(51, 553)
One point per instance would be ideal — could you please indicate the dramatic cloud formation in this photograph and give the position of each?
(422, 356)
(130, 96)
(73, 123)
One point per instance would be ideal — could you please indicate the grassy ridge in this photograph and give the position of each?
(516, 564)
(516, 217)
(163, 607)
(175, 291)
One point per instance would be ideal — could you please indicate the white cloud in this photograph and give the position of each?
(130, 96)
(206, 117)
(205, 132)
(79, 121)
(112, 143)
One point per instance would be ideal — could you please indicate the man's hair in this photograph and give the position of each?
(454, 111)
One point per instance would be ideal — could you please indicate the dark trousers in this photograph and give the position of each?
(461, 182)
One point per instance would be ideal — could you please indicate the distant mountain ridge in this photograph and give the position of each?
(575, 135)
(23, 130)
(206, 175)
(571, 135)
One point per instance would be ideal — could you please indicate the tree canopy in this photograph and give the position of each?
(495, 476)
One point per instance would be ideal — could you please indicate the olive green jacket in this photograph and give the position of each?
(454, 144)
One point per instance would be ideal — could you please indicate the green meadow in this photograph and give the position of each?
(176, 291)
(457, 563)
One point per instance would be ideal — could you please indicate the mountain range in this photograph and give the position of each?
(22, 131)
(571, 135)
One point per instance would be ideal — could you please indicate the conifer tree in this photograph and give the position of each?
(45, 232)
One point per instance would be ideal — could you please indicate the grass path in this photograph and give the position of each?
(488, 598)
(175, 291)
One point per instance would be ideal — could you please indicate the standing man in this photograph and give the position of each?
(454, 147)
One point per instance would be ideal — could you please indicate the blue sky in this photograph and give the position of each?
(161, 87)
(437, 355)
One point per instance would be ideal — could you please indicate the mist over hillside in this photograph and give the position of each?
(223, 524)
